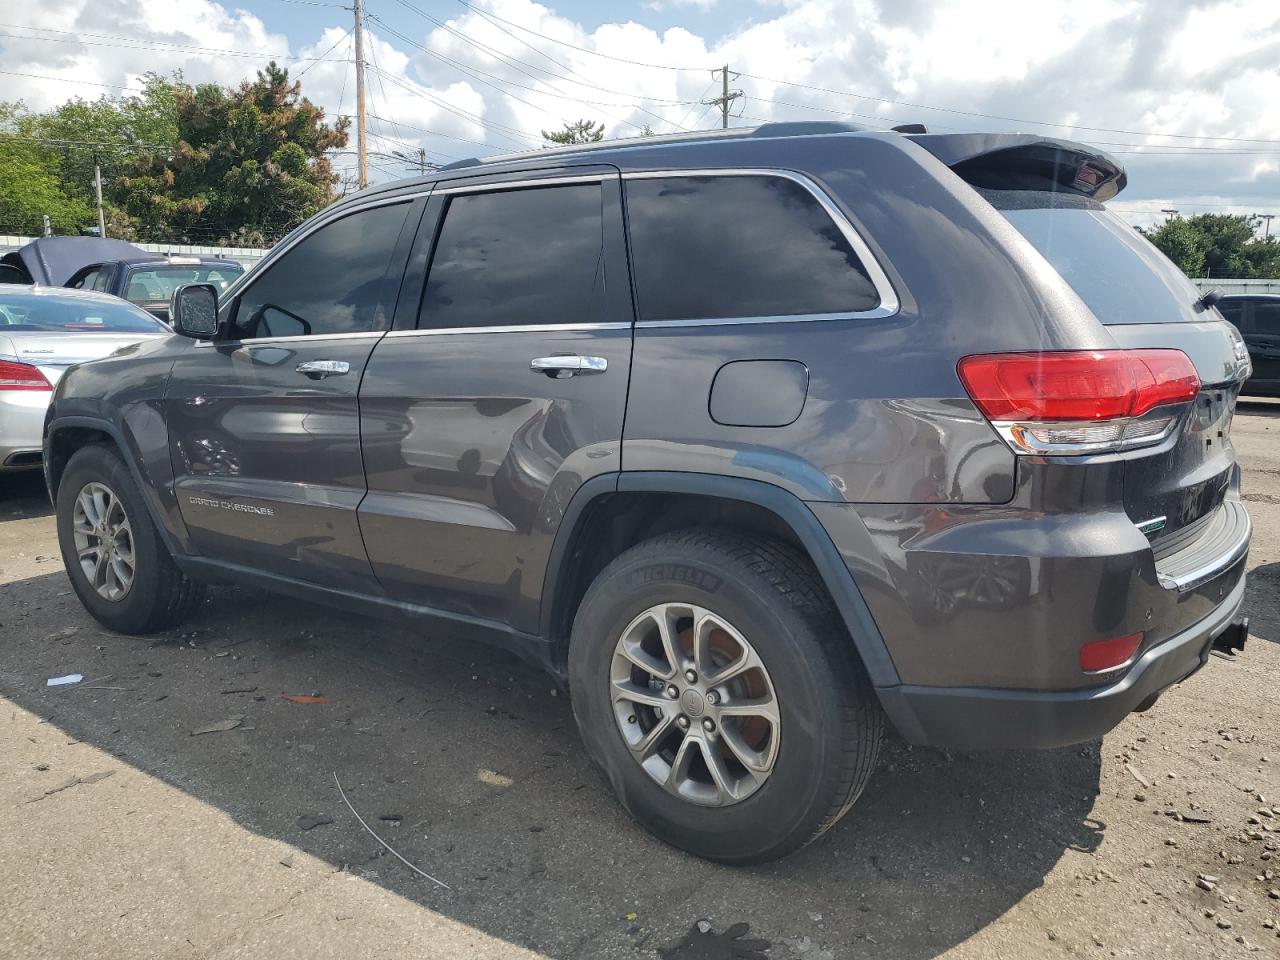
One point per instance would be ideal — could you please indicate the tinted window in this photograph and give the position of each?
(518, 257)
(1119, 274)
(752, 246)
(45, 313)
(1232, 310)
(337, 280)
(1266, 318)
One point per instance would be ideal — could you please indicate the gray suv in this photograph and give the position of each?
(758, 441)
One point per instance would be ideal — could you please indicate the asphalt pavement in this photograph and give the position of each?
(176, 803)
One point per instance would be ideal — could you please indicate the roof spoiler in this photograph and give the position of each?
(1022, 161)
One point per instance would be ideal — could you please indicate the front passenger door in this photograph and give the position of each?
(264, 427)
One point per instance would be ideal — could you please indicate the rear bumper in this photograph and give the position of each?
(21, 425)
(968, 718)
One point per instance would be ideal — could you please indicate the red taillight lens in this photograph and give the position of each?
(1108, 654)
(21, 376)
(1077, 384)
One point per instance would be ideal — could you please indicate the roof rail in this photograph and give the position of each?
(803, 128)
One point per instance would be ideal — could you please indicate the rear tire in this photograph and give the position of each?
(828, 722)
(138, 589)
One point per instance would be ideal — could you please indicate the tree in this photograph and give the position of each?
(583, 131)
(1218, 245)
(249, 162)
(201, 164)
(31, 186)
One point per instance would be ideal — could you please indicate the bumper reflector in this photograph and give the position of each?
(1103, 655)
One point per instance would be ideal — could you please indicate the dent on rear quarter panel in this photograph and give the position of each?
(128, 390)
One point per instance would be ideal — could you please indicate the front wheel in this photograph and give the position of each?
(118, 565)
(715, 685)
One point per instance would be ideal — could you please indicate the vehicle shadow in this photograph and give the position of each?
(1259, 406)
(1262, 601)
(23, 496)
(481, 761)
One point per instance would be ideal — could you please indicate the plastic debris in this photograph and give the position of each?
(63, 681)
(305, 698)
(390, 849)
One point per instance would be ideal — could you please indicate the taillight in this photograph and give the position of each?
(1080, 401)
(22, 376)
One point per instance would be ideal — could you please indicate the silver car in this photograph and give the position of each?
(43, 331)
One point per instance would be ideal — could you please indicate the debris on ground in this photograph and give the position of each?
(390, 849)
(74, 782)
(703, 943)
(222, 726)
(240, 690)
(63, 681)
(309, 821)
(305, 698)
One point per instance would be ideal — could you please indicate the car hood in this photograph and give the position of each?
(54, 352)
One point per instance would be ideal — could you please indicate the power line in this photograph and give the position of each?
(516, 63)
(510, 133)
(573, 46)
(725, 97)
(142, 43)
(322, 56)
(990, 116)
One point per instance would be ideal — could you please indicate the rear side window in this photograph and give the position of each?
(1120, 275)
(1266, 318)
(336, 280)
(1233, 310)
(720, 247)
(518, 257)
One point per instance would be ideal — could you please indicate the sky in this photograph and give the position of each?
(1185, 93)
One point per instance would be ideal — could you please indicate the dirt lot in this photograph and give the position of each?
(127, 833)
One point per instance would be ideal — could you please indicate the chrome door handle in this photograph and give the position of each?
(564, 366)
(319, 369)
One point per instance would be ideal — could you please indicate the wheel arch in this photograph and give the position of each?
(65, 435)
(610, 514)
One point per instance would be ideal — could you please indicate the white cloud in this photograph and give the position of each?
(1197, 68)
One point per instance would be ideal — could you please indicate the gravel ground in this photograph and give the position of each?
(126, 832)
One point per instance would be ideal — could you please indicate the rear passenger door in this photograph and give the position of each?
(264, 430)
(501, 391)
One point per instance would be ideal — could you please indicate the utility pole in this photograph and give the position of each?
(97, 189)
(1267, 217)
(1169, 213)
(725, 97)
(362, 155)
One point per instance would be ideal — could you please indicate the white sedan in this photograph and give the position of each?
(44, 330)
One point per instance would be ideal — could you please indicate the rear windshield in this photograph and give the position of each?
(156, 284)
(44, 313)
(1117, 272)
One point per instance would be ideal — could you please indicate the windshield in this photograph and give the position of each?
(156, 284)
(1116, 271)
(53, 314)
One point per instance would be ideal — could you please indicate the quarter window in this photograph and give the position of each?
(721, 247)
(518, 257)
(1266, 318)
(339, 279)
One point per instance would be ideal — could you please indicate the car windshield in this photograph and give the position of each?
(46, 313)
(156, 284)
(1119, 274)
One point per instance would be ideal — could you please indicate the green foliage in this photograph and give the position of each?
(1218, 245)
(582, 131)
(203, 164)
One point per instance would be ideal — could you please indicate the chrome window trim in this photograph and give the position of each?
(305, 338)
(889, 304)
(513, 328)
(497, 186)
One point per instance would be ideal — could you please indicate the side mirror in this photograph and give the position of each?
(193, 310)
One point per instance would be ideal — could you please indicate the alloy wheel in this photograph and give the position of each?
(104, 541)
(695, 704)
